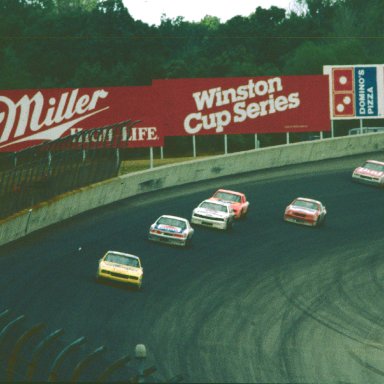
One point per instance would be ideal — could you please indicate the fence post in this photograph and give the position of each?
(38, 351)
(83, 363)
(112, 368)
(61, 356)
(16, 349)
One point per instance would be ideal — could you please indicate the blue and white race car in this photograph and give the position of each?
(172, 230)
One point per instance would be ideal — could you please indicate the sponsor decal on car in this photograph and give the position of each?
(168, 228)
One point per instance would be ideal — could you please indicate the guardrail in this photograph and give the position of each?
(122, 187)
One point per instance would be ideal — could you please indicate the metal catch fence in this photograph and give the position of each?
(41, 172)
(34, 353)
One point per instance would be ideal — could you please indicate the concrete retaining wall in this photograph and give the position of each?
(119, 188)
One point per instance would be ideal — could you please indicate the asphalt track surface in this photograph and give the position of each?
(268, 302)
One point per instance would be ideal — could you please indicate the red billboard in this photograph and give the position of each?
(175, 107)
(243, 105)
(30, 117)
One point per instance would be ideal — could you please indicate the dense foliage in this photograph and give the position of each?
(88, 43)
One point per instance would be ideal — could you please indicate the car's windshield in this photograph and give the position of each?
(227, 196)
(213, 206)
(172, 222)
(305, 204)
(374, 166)
(121, 259)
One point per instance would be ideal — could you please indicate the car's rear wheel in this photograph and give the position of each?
(323, 220)
(187, 243)
(320, 221)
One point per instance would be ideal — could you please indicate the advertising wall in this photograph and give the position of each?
(175, 107)
(355, 91)
(29, 117)
(243, 105)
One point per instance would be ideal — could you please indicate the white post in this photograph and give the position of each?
(161, 152)
(332, 130)
(194, 145)
(117, 157)
(361, 126)
(141, 355)
(287, 135)
(49, 163)
(256, 142)
(28, 218)
(151, 157)
(225, 144)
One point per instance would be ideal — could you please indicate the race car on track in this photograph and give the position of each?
(171, 230)
(305, 211)
(238, 201)
(371, 172)
(121, 267)
(213, 213)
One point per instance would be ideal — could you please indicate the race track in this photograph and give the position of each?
(268, 302)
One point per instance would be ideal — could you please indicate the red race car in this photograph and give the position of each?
(305, 211)
(371, 172)
(238, 201)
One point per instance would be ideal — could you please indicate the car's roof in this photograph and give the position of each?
(307, 199)
(173, 217)
(218, 202)
(229, 191)
(123, 254)
(375, 162)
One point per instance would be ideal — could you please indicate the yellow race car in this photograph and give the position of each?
(121, 267)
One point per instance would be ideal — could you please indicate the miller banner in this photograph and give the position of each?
(237, 105)
(355, 91)
(30, 117)
(174, 107)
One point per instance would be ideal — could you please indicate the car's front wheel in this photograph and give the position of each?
(229, 225)
(244, 214)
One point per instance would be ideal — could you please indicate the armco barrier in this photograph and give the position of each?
(99, 194)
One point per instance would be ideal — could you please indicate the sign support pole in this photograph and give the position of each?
(194, 145)
(151, 157)
(225, 144)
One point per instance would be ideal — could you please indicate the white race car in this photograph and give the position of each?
(172, 230)
(213, 213)
(371, 172)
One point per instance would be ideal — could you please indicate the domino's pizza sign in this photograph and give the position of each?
(366, 91)
(355, 91)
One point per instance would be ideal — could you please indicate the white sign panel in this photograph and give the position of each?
(356, 91)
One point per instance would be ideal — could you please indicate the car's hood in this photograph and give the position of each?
(210, 213)
(168, 228)
(368, 172)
